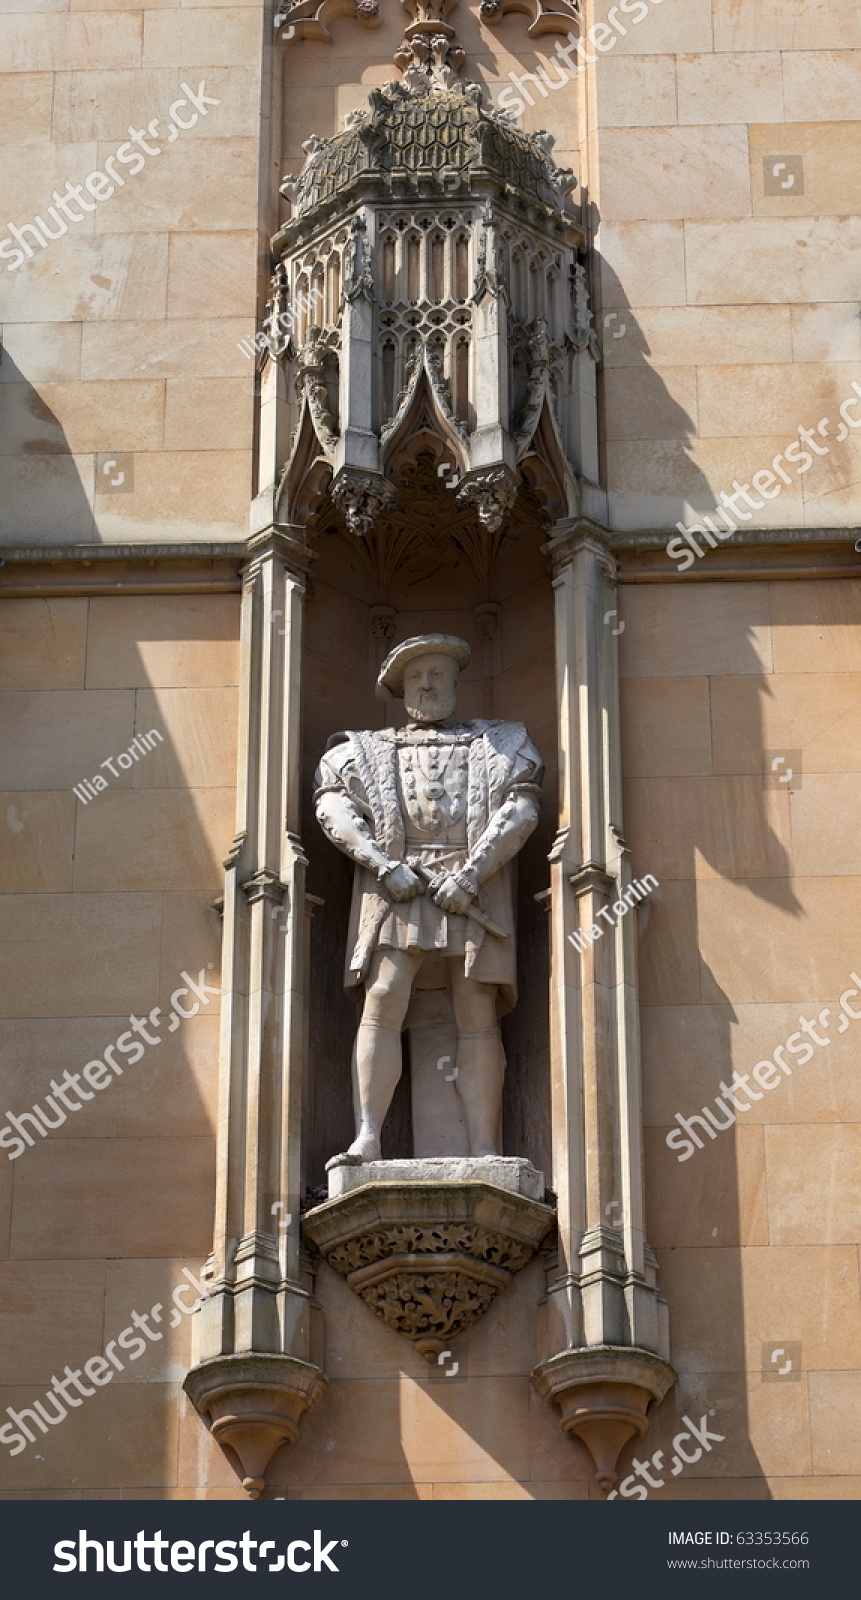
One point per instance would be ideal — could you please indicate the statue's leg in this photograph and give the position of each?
(480, 1059)
(378, 1056)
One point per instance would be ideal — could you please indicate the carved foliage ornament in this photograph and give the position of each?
(429, 61)
(361, 497)
(311, 381)
(432, 1306)
(428, 1259)
(467, 1238)
(492, 492)
(311, 19)
(548, 16)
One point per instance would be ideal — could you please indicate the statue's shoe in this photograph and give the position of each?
(348, 1159)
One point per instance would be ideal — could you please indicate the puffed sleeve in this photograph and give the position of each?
(342, 808)
(527, 775)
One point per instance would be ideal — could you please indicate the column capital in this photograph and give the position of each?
(278, 541)
(592, 877)
(574, 534)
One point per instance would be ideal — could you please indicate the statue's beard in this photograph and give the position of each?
(428, 706)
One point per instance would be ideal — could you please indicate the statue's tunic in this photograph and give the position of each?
(436, 797)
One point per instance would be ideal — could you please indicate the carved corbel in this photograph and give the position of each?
(560, 16)
(361, 497)
(383, 623)
(605, 1394)
(429, 57)
(430, 1257)
(308, 19)
(492, 492)
(252, 1404)
(487, 618)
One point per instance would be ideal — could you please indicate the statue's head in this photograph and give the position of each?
(423, 672)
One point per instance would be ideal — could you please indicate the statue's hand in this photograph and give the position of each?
(449, 895)
(402, 883)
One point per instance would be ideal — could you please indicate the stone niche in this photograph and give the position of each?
(428, 1245)
(427, 1237)
(427, 568)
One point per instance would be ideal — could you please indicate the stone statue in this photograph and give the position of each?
(433, 815)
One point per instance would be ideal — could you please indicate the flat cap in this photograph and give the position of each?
(390, 683)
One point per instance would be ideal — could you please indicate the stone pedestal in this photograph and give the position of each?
(429, 1244)
(252, 1404)
(605, 1394)
(513, 1173)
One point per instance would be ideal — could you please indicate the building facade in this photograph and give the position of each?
(533, 323)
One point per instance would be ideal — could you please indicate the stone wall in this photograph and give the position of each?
(120, 336)
(726, 311)
(105, 902)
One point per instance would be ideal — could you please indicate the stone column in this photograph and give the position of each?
(607, 1337)
(254, 1375)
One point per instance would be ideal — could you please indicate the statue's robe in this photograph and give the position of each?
(466, 819)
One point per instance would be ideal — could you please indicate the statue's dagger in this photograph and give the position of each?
(434, 879)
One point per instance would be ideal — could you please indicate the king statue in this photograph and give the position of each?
(433, 815)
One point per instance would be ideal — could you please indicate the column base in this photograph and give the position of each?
(605, 1394)
(252, 1404)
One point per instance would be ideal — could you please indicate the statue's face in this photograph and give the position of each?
(430, 688)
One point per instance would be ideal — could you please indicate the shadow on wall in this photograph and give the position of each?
(646, 432)
(107, 898)
(43, 497)
(694, 665)
(718, 676)
(772, 461)
(702, 816)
